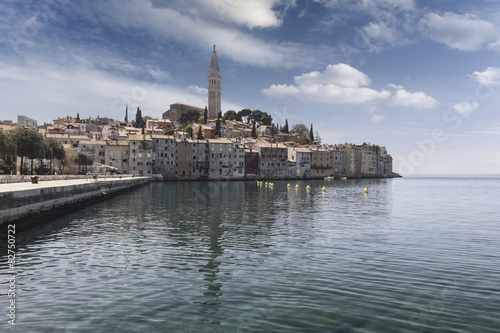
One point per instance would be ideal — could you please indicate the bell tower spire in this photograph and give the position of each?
(214, 87)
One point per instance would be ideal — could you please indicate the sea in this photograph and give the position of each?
(414, 254)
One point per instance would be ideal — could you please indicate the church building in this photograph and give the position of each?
(214, 95)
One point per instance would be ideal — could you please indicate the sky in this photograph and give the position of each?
(421, 78)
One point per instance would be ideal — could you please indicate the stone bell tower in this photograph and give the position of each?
(214, 88)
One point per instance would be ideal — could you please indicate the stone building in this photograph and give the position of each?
(214, 87)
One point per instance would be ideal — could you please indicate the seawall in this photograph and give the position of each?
(28, 204)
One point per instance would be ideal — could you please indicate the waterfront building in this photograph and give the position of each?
(336, 156)
(348, 158)
(273, 159)
(201, 161)
(116, 155)
(321, 165)
(366, 159)
(251, 163)
(141, 150)
(183, 158)
(163, 161)
(214, 87)
(220, 162)
(303, 159)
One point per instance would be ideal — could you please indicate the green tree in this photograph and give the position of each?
(189, 130)
(285, 129)
(188, 117)
(311, 134)
(126, 113)
(200, 134)
(261, 118)
(139, 121)
(54, 151)
(217, 127)
(205, 115)
(29, 145)
(254, 131)
(70, 156)
(83, 159)
(230, 115)
(7, 150)
(244, 115)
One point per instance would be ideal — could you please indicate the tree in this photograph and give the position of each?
(302, 131)
(7, 149)
(285, 129)
(126, 113)
(189, 130)
(29, 145)
(55, 150)
(188, 117)
(205, 115)
(139, 122)
(200, 134)
(70, 156)
(217, 127)
(317, 138)
(254, 131)
(230, 115)
(261, 118)
(311, 134)
(244, 115)
(83, 159)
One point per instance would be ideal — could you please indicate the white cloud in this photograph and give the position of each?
(197, 90)
(463, 32)
(495, 46)
(340, 74)
(169, 23)
(489, 77)
(60, 91)
(465, 108)
(376, 118)
(395, 86)
(380, 30)
(255, 13)
(419, 100)
(338, 84)
(370, 5)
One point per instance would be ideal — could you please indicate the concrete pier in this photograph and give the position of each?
(26, 203)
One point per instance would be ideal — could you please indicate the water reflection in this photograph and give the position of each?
(234, 256)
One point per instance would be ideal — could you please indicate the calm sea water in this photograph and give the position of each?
(418, 254)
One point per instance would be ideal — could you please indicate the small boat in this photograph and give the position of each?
(343, 178)
(329, 178)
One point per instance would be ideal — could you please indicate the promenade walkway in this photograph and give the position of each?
(23, 186)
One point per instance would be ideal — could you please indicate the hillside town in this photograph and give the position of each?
(188, 142)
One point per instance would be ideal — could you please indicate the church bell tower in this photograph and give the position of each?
(214, 88)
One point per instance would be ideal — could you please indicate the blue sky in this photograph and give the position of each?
(420, 77)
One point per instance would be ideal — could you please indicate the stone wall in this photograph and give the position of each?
(33, 205)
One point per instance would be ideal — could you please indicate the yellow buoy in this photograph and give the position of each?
(308, 188)
(366, 189)
(324, 189)
(266, 184)
(288, 186)
(297, 186)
